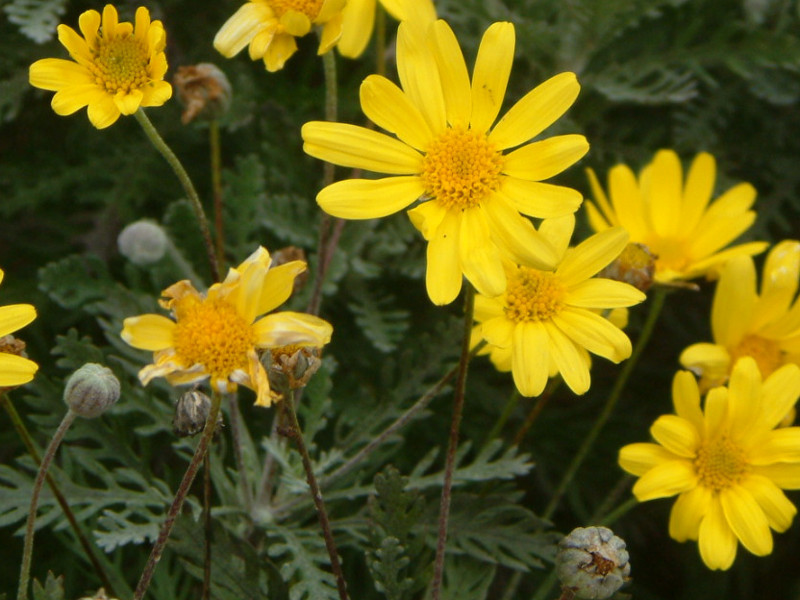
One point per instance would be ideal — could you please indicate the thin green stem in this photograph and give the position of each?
(186, 182)
(216, 185)
(206, 595)
(537, 409)
(380, 40)
(27, 440)
(180, 496)
(452, 446)
(656, 305)
(511, 404)
(547, 585)
(611, 498)
(236, 437)
(322, 514)
(27, 551)
(618, 512)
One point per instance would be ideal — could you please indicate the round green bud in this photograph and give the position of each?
(91, 390)
(592, 563)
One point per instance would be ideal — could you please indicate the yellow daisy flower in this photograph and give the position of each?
(359, 20)
(549, 319)
(270, 27)
(118, 67)
(727, 463)
(675, 220)
(217, 335)
(14, 369)
(744, 323)
(448, 152)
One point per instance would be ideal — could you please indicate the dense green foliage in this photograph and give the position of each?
(692, 75)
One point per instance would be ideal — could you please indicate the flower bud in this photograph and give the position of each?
(100, 595)
(592, 563)
(291, 367)
(91, 390)
(204, 90)
(636, 265)
(191, 414)
(143, 242)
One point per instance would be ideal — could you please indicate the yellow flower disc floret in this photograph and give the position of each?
(533, 295)
(120, 64)
(212, 333)
(767, 353)
(461, 168)
(309, 8)
(720, 463)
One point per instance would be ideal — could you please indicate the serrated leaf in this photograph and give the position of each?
(466, 579)
(382, 323)
(53, 588)
(303, 563)
(76, 280)
(37, 19)
(76, 352)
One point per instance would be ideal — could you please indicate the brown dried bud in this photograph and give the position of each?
(191, 414)
(592, 563)
(291, 367)
(204, 90)
(636, 265)
(91, 390)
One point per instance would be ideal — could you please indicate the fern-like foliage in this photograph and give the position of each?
(303, 563)
(37, 19)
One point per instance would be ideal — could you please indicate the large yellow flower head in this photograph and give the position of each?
(765, 326)
(118, 67)
(270, 27)
(359, 20)
(727, 462)
(450, 153)
(216, 335)
(14, 369)
(548, 320)
(677, 221)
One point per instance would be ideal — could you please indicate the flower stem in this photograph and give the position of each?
(380, 40)
(216, 185)
(297, 434)
(27, 551)
(511, 404)
(206, 595)
(27, 440)
(187, 184)
(236, 436)
(452, 446)
(619, 385)
(180, 496)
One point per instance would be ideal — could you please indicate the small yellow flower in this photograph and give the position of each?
(450, 153)
(675, 220)
(359, 19)
(765, 326)
(217, 335)
(118, 67)
(270, 27)
(14, 369)
(546, 321)
(727, 463)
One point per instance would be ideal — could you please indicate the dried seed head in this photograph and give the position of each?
(191, 413)
(592, 563)
(291, 367)
(636, 265)
(91, 390)
(204, 91)
(143, 242)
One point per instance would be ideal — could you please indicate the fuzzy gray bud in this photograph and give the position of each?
(91, 390)
(592, 563)
(191, 413)
(143, 242)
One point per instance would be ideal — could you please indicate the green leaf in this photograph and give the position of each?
(53, 588)
(76, 280)
(382, 323)
(37, 19)
(303, 563)
(466, 579)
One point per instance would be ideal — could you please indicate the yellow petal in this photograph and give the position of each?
(359, 148)
(278, 285)
(487, 308)
(665, 193)
(128, 103)
(712, 361)
(291, 328)
(148, 332)
(242, 27)
(369, 198)
(744, 389)
(110, 19)
(419, 76)
(779, 282)
(261, 42)
(687, 513)
(141, 23)
(746, 520)
(716, 540)
(454, 75)
(54, 74)
(716, 411)
(279, 51)
(535, 111)
(734, 298)
(426, 217)
(778, 509)
(295, 23)
(517, 236)
(686, 399)
(597, 220)
(677, 435)
(443, 275)
(698, 190)
(544, 159)
(16, 370)
(498, 331)
(779, 394)
(568, 360)
(490, 75)
(665, 480)
(712, 264)
(331, 34)
(558, 231)
(389, 108)
(479, 256)
(358, 21)
(540, 200)
(638, 459)
(329, 10)
(530, 357)
(156, 93)
(779, 445)
(626, 198)
(14, 317)
(603, 293)
(89, 24)
(417, 11)
(259, 380)
(76, 46)
(591, 255)
(102, 111)
(594, 333)
(71, 99)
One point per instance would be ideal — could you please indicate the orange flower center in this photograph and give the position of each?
(767, 354)
(120, 64)
(461, 168)
(309, 8)
(533, 295)
(213, 334)
(720, 463)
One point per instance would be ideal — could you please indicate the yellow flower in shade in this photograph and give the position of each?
(118, 67)
(449, 152)
(217, 335)
(677, 221)
(764, 326)
(359, 19)
(727, 463)
(14, 369)
(270, 27)
(549, 320)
